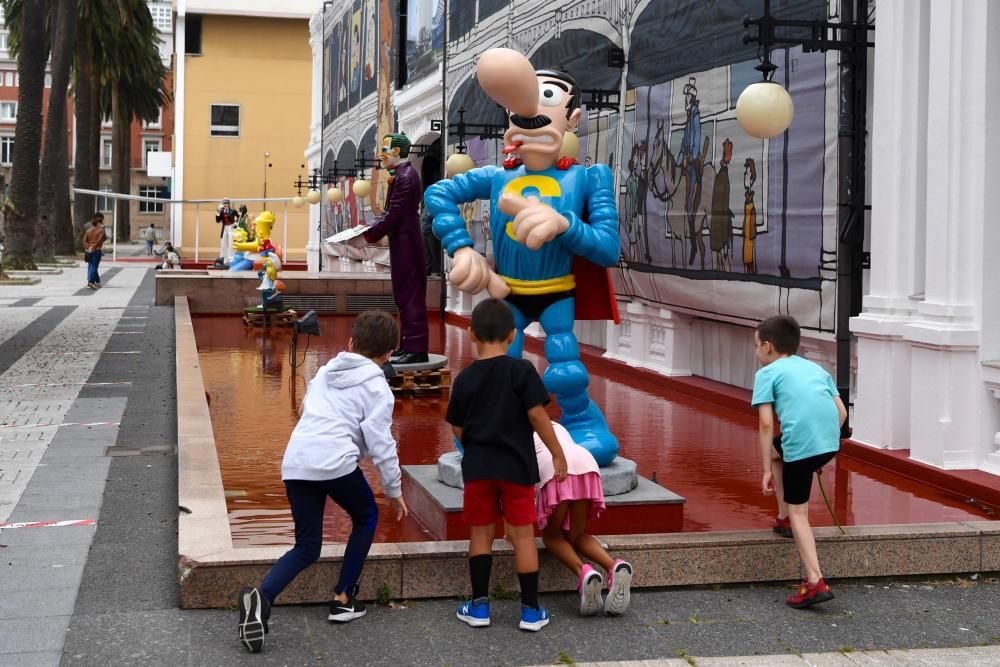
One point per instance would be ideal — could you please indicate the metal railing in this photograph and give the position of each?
(197, 214)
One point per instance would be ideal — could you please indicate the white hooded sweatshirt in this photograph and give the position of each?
(346, 416)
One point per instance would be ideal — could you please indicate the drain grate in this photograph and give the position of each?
(301, 303)
(161, 450)
(357, 303)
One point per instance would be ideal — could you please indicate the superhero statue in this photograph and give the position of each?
(401, 222)
(554, 227)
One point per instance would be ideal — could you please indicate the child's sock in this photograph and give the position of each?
(479, 572)
(529, 588)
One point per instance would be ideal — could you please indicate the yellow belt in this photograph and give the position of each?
(548, 286)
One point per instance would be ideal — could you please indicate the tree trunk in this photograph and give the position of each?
(121, 149)
(86, 106)
(55, 231)
(21, 210)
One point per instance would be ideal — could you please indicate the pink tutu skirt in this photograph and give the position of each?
(574, 487)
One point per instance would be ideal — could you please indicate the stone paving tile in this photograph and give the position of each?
(30, 635)
(28, 415)
(15, 319)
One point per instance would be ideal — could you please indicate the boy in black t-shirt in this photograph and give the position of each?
(496, 405)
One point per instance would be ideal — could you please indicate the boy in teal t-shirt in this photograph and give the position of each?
(811, 413)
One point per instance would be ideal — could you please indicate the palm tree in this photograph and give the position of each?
(21, 210)
(137, 80)
(116, 57)
(55, 233)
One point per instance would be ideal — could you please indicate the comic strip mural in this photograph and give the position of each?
(711, 219)
(359, 55)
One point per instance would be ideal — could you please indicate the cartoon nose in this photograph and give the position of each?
(508, 78)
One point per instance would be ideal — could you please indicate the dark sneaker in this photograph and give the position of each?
(810, 594)
(533, 619)
(345, 612)
(475, 612)
(253, 619)
(590, 585)
(619, 587)
(782, 527)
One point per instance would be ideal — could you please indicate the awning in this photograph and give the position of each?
(673, 38)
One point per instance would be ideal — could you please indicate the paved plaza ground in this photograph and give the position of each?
(88, 435)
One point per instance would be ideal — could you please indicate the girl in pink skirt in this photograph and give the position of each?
(563, 509)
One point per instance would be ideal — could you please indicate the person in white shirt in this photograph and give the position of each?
(346, 416)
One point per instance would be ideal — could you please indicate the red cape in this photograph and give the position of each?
(595, 295)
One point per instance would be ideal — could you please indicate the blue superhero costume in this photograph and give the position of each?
(542, 282)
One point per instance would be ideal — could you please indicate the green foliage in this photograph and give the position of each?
(501, 593)
(563, 658)
(383, 595)
(123, 43)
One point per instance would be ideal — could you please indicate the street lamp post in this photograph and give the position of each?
(266, 165)
(765, 110)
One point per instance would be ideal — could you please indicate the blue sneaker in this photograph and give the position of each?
(475, 612)
(533, 619)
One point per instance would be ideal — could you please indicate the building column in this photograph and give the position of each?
(652, 337)
(177, 183)
(313, 158)
(948, 398)
(899, 183)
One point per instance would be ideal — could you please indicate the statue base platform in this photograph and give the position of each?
(269, 317)
(618, 477)
(434, 495)
(430, 378)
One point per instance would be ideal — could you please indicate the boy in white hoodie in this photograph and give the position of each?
(346, 416)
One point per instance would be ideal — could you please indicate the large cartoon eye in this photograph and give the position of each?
(550, 95)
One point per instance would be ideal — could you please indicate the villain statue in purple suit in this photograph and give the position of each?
(401, 221)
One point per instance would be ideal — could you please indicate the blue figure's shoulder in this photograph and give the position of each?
(600, 176)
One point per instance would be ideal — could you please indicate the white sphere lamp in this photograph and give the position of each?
(313, 197)
(570, 145)
(362, 188)
(765, 109)
(458, 163)
(297, 202)
(335, 195)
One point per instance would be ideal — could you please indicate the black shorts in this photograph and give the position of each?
(797, 476)
(533, 305)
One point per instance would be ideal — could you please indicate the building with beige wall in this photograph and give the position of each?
(242, 97)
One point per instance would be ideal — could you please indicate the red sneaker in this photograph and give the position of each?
(810, 594)
(782, 527)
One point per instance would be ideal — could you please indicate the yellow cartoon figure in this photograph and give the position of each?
(256, 250)
(269, 284)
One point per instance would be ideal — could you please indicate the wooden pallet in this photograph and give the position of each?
(422, 383)
(255, 317)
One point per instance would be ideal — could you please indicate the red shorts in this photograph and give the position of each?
(486, 500)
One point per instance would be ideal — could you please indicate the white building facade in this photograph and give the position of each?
(925, 369)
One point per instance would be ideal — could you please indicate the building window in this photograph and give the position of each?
(156, 124)
(105, 153)
(147, 146)
(8, 111)
(6, 150)
(192, 35)
(148, 206)
(8, 79)
(3, 40)
(48, 80)
(104, 203)
(162, 18)
(225, 120)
